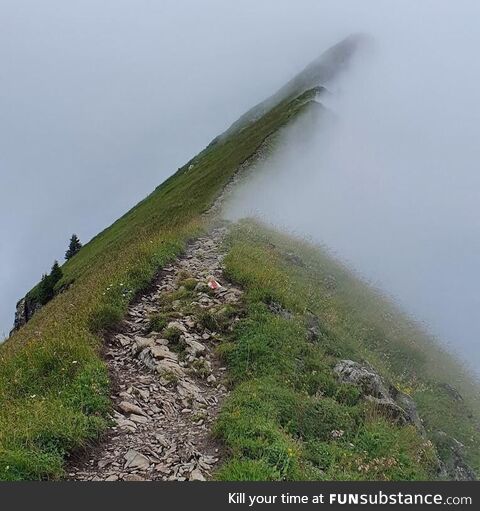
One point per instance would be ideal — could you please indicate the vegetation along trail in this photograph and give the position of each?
(169, 384)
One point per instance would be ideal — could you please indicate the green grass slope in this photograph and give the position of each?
(53, 383)
(285, 403)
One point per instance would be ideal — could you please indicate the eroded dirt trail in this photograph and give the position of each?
(169, 383)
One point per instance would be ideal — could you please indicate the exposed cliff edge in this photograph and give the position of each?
(25, 309)
(35, 299)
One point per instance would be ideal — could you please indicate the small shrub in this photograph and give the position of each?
(226, 350)
(322, 454)
(170, 377)
(73, 247)
(20, 463)
(208, 320)
(319, 381)
(224, 316)
(173, 335)
(189, 284)
(45, 290)
(184, 275)
(88, 391)
(203, 288)
(56, 273)
(395, 453)
(348, 394)
(201, 368)
(157, 323)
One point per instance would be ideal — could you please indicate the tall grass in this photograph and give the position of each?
(285, 402)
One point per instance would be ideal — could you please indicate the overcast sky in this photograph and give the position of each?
(101, 101)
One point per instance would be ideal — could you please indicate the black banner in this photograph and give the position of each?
(236, 496)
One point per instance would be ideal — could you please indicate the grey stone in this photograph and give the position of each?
(141, 343)
(128, 407)
(139, 419)
(135, 459)
(194, 347)
(395, 404)
(196, 475)
(167, 367)
(454, 465)
(452, 392)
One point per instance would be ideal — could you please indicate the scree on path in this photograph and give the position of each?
(165, 402)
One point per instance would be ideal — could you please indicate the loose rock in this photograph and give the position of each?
(169, 391)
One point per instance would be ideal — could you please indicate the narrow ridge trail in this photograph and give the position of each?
(168, 384)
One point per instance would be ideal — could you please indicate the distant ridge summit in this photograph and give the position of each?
(318, 74)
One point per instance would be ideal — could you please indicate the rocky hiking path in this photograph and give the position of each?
(169, 384)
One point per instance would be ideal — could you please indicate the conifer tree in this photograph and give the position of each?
(56, 274)
(45, 289)
(73, 247)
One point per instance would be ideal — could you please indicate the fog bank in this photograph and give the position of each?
(389, 180)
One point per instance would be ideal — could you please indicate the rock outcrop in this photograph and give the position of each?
(24, 311)
(454, 465)
(402, 409)
(392, 402)
(452, 392)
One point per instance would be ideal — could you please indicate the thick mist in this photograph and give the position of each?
(101, 101)
(389, 180)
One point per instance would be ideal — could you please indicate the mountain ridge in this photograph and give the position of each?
(287, 415)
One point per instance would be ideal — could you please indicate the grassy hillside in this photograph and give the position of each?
(279, 419)
(53, 383)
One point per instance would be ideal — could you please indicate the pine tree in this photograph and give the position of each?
(45, 289)
(56, 274)
(73, 247)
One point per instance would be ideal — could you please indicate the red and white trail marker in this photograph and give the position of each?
(213, 284)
